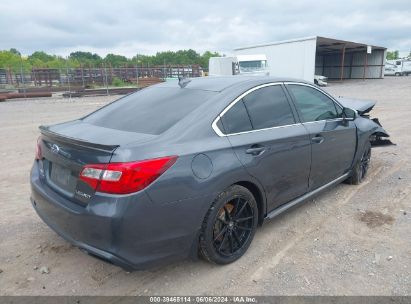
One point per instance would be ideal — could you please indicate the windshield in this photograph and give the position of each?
(252, 66)
(151, 111)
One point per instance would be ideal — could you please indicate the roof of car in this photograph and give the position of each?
(219, 83)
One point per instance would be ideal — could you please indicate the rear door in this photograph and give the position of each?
(333, 139)
(274, 148)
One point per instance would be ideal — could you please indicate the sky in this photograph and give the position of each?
(130, 27)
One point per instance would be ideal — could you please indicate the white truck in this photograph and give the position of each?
(240, 64)
(398, 67)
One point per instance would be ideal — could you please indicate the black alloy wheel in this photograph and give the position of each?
(233, 226)
(229, 226)
(365, 162)
(361, 168)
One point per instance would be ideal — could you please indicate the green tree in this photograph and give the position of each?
(13, 61)
(42, 56)
(39, 59)
(116, 61)
(142, 60)
(86, 58)
(15, 51)
(392, 55)
(205, 58)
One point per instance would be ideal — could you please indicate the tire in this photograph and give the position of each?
(316, 81)
(229, 226)
(361, 167)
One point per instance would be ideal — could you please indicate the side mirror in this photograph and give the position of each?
(349, 114)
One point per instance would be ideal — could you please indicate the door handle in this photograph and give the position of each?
(255, 150)
(318, 139)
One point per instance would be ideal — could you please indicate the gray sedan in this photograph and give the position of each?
(181, 169)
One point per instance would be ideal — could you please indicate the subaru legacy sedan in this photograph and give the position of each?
(190, 168)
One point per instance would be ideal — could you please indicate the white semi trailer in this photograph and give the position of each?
(240, 64)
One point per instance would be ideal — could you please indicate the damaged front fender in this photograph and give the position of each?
(379, 137)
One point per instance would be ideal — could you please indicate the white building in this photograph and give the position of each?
(305, 57)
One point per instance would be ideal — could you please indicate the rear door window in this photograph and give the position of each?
(263, 108)
(268, 107)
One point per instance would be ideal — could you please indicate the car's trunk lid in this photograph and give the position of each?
(67, 148)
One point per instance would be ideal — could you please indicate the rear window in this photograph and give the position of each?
(151, 111)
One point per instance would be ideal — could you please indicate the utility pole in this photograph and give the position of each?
(68, 77)
(105, 76)
(164, 69)
(82, 75)
(137, 70)
(22, 77)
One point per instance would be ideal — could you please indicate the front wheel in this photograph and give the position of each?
(229, 226)
(361, 168)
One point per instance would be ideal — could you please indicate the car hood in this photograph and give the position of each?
(361, 106)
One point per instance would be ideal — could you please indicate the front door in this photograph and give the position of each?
(333, 139)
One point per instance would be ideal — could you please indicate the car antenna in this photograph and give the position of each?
(183, 82)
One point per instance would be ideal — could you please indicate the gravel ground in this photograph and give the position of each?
(351, 240)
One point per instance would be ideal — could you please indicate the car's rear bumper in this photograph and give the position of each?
(106, 256)
(129, 231)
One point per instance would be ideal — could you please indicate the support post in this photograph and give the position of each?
(22, 77)
(82, 76)
(382, 64)
(365, 65)
(342, 63)
(105, 77)
(68, 77)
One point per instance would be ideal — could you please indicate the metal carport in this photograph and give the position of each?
(339, 59)
(334, 58)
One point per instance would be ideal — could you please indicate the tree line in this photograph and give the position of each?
(393, 55)
(12, 59)
(15, 61)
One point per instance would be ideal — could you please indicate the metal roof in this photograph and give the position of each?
(328, 45)
(322, 43)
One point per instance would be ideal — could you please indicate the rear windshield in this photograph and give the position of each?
(150, 111)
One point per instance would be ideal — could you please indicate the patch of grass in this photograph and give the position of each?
(117, 82)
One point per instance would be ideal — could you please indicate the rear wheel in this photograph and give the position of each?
(361, 168)
(229, 226)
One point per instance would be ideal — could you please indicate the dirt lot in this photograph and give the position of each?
(351, 240)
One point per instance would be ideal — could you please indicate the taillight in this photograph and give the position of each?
(124, 178)
(38, 155)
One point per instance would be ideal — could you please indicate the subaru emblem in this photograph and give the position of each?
(55, 149)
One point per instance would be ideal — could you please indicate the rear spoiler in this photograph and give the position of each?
(85, 144)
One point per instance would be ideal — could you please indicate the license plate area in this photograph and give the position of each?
(62, 178)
